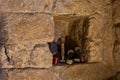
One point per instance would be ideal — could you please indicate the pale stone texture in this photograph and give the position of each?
(40, 56)
(21, 5)
(107, 33)
(28, 6)
(116, 50)
(22, 33)
(96, 71)
(116, 26)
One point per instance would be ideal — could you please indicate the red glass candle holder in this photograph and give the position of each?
(55, 60)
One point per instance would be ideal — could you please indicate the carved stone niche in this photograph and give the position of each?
(74, 31)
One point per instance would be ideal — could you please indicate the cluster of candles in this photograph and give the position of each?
(71, 58)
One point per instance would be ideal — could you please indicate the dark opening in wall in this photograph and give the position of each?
(69, 44)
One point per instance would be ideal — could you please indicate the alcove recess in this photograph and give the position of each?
(74, 29)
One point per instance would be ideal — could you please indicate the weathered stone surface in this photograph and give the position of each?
(21, 75)
(21, 5)
(99, 40)
(116, 13)
(29, 27)
(40, 56)
(3, 74)
(87, 72)
(20, 35)
(63, 6)
(107, 33)
(116, 26)
(75, 72)
(116, 50)
(28, 6)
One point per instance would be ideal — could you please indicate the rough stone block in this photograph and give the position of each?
(22, 5)
(28, 6)
(40, 56)
(14, 56)
(28, 27)
(21, 36)
(75, 72)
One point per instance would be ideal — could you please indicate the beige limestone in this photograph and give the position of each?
(28, 24)
(22, 33)
(116, 27)
(96, 71)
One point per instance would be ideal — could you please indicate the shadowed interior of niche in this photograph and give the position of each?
(70, 38)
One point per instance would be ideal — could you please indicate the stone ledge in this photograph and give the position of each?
(95, 71)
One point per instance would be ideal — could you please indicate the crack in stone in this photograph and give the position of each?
(8, 58)
(54, 4)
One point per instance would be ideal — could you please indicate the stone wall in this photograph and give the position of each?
(26, 26)
(116, 27)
